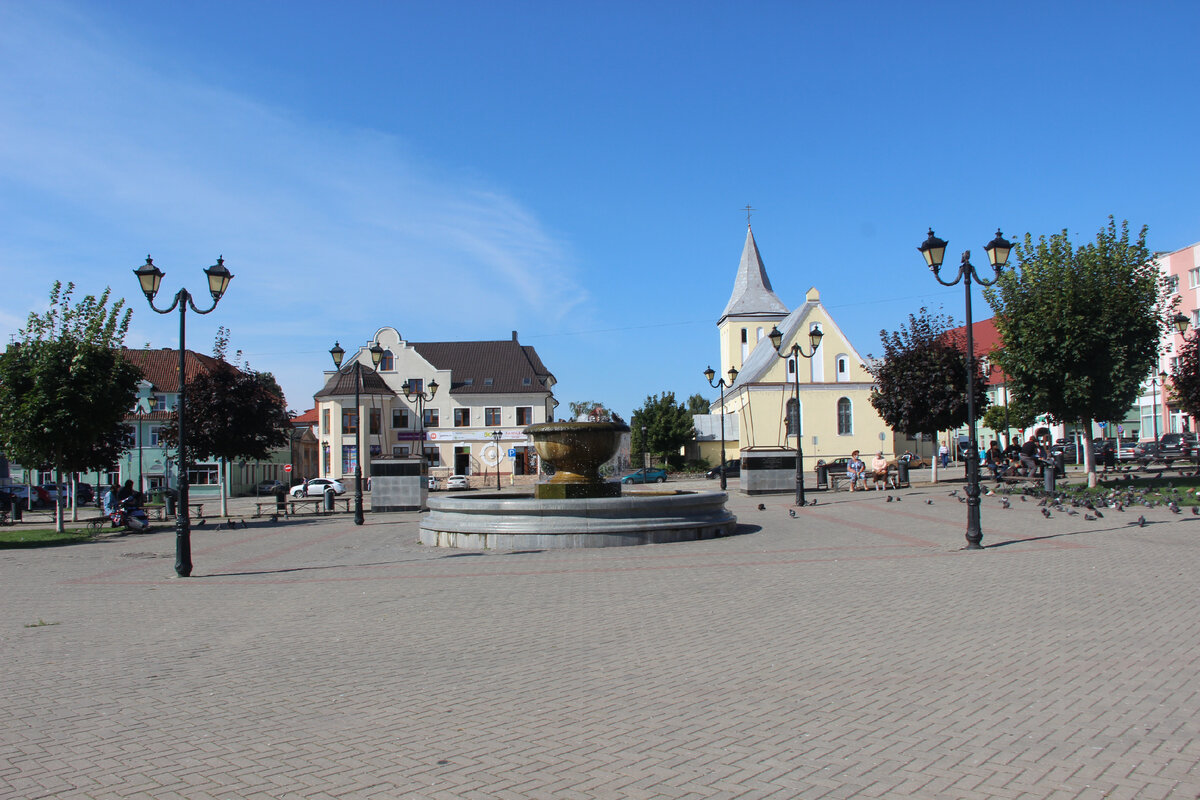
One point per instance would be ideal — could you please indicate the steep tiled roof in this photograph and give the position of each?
(161, 367)
(488, 367)
(307, 418)
(752, 294)
(341, 383)
(986, 341)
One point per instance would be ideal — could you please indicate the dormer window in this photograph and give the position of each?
(527, 381)
(487, 381)
(468, 382)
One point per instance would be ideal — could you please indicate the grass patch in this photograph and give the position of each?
(41, 623)
(1158, 489)
(36, 537)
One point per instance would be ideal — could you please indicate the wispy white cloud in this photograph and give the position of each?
(105, 154)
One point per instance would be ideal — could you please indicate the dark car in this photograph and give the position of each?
(270, 487)
(732, 470)
(1177, 445)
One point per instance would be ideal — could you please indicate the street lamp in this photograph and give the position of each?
(709, 374)
(934, 250)
(496, 435)
(645, 456)
(337, 353)
(1160, 383)
(151, 401)
(420, 398)
(150, 277)
(795, 353)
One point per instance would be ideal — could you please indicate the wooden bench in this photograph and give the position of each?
(195, 511)
(314, 505)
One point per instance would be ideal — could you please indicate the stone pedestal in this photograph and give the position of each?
(768, 471)
(398, 484)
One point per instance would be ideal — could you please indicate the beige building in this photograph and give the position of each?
(487, 392)
(835, 414)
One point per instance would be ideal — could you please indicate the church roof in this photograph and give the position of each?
(752, 294)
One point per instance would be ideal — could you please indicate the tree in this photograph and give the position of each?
(698, 404)
(668, 426)
(1185, 378)
(233, 414)
(921, 381)
(65, 389)
(591, 411)
(1080, 325)
(1014, 415)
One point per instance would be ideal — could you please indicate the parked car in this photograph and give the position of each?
(646, 476)
(732, 470)
(457, 482)
(316, 487)
(270, 487)
(21, 492)
(1177, 445)
(914, 461)
(433, 484)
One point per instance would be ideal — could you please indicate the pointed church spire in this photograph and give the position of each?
(752, 294)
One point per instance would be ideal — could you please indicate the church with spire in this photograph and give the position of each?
(835, 415)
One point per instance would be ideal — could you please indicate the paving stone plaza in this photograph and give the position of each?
(851, 651)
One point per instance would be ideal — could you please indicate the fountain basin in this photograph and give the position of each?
(505, 522)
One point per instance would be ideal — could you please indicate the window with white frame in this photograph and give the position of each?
(462, 417)
(524, 415)
(845, 417)
(203, 475)
(1194, 278)
(843, 368)
(1172, 282)
(399, 418)
(491, 415)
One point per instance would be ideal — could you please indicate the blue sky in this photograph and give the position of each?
(576, 169)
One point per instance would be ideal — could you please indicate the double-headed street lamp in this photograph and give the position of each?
(934, 251)
(150, 277)
(496, 437)
(376, 356)
(420, 397)
(795, 354)
(709, 374)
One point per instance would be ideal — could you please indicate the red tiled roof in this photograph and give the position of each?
(986, 341)
(161, 367)
(307, 418)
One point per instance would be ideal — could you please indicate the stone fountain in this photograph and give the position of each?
(576, 507)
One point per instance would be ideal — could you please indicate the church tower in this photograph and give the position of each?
(752, 310)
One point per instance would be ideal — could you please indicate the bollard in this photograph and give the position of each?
(328, 498)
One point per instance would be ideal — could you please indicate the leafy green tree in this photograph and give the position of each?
(1005, 418)
(668, 427)
(698, 404)
(1185, 378)
(233, 414)
(65, 389)
(592, 411)
(1080, 325)
(921, 381)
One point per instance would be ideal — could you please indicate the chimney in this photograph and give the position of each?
(514, 336)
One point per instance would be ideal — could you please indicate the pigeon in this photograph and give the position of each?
(762, 507)
(1046, 513)
(792, 513)
(274, 518)
(1072, 512)
(889, 498)
(1024, 499)
(928, 502)
(812, 502)
(1173, 506)
(1141, 522)
(1089, 517)
(898, 498)
(1098, 514)
(1004, 503)
(1195, 511)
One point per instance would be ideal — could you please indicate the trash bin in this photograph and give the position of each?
(16, 510)
(1060, 465)
(1048, 472)
(328, 498)
(902, 472)
(822, 474)
(280, 500)
(169, 501)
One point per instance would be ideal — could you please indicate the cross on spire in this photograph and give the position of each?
(749, 208)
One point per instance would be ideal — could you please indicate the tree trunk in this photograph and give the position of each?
(224, 485)
(58, 501)
(1089, 460)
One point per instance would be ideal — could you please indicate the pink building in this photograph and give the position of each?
(1181, 269)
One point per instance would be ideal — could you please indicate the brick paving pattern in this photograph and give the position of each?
(853, 651)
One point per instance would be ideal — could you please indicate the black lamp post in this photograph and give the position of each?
(150, 277)
(934, 250)
(645, 456)
(420, 398)
(709, 374)
(376, 356)
(496, 436)
(795, 353)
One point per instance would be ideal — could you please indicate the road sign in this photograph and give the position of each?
(287, 467)
(512, 452)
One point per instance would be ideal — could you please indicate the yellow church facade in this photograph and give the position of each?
(835, 412)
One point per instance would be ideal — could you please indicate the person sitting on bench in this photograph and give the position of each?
(879, 471)
(856, 472)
